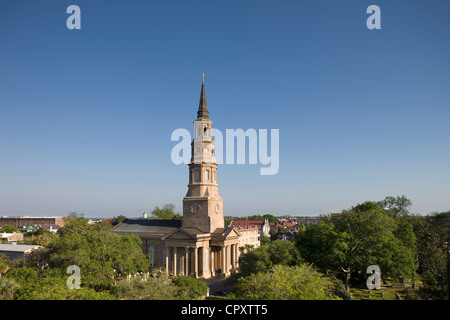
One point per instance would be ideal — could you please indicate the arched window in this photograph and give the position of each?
(207, 175)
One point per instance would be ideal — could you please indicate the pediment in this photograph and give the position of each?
(230, 233)
(179, 234)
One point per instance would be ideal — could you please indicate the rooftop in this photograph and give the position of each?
(17, 247)
(155, 226)
(31, 217)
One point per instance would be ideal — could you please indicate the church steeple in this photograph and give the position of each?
(202, 205)
(202, 112)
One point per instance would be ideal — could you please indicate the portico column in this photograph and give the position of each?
(167, 259)
(230, 258)
(230, 262)
(233, 259)
(211, 262)
(174, 264)
(227, 258)
(222, 258)
(238, 254)
(186, 262)
(195, 262)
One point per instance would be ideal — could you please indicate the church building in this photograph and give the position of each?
(199, 244)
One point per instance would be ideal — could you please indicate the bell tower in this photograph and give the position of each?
(202, 205)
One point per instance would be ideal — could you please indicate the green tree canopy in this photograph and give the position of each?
(146, 288)
(189, 287)
(282, 282)
(39, 237)
(431, 255)
(50, 284)
(100, 253)
(74, 223)
(118, 219)
(362, 236)
(166, 212)
(441, 224)
(396, 206)
(5, 263)
(9, 229)
(269, 255)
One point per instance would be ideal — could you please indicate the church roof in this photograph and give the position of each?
(157, 227)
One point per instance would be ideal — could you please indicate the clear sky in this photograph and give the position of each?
(86, 115)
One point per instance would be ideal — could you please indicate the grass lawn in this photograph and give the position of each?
(366, 294)
(389, 291)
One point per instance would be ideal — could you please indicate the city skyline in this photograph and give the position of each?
(86, 116)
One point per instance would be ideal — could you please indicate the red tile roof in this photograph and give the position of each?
(258, 224)
(288, 224)
(277, 225)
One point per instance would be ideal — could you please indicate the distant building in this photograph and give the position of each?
(274, 226)
(307, 220)
(17, 251)
(249, 237)
(29, 228)
(288, 224)
(51, 227)
(263, 226)
(335, 214)
(10, 237)
(22, 221)
(288, 235)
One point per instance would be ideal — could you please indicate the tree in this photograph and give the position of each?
(5, 263)
(118, 219)
(264, 240)
(441, 224)
(100, 253)
(430, 254)
(74, 223)
(267, 256)
(282, 282)
(39, 237)
(49, 285)
(271, 218)
(167, 212)
(362, 236)
(9, 229)
(8, 288)
(398, 206)
(146, 288)
(189, 287)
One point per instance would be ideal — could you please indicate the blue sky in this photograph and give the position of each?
(86, 115)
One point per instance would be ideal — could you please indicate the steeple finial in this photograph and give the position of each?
(203, 77)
